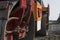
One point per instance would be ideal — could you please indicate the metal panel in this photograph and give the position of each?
(4, 6)
(2, 26)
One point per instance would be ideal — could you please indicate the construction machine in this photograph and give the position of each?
(26, 19)
(41, 18)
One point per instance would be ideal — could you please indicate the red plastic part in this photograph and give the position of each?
(32, 6)
(23, 3)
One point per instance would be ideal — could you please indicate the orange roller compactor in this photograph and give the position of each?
(41, 18)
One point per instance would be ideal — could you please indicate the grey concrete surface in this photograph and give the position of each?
(54, 29)
(53, 33)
